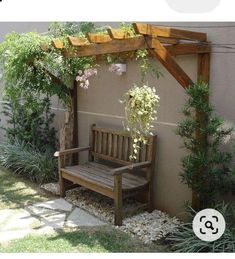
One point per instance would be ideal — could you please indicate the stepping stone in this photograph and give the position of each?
(51, 222)
(50, 219)
(58, 204)
(79, 218)
(17, 220)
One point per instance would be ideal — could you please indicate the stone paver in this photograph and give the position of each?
(79, 218)
(58, 204)
(17, 219)
(50, 219)
(43, 218)
(54, 221)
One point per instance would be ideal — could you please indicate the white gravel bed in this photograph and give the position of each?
(148, 227)
(53, 188)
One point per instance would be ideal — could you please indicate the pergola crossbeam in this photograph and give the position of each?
(148, 29)
(131, 44)
(113, 46)
(188, 48)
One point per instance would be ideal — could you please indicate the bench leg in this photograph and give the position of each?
(150, 195)
(118, 200)
(62, 186)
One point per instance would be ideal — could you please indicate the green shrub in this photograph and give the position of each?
(185, 241)
(205, 168)
(28, 161)
(29, 119)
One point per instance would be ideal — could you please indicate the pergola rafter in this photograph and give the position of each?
(163, 43)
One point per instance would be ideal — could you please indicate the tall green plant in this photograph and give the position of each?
(29, 119)
(205, 168)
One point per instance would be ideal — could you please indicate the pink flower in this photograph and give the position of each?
(90, 72)
(84, 75)
(78, 78)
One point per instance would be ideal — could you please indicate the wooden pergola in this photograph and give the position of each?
(162, 43)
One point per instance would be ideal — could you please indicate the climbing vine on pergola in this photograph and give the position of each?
(162, 43)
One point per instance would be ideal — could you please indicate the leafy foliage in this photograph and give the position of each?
(184, 240)
(140, 107)
(28, 161)
(30, 121)
(145, 65)
(27, 66)
(205, 168)
(141, 56)
(58, 29)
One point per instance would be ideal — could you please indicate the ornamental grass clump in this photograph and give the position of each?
(27, 160)
(140, 110)
(185, 241)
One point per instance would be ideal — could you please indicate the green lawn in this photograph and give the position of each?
(16, 192)
(86, 241)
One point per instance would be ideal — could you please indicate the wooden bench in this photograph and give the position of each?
(117, 182)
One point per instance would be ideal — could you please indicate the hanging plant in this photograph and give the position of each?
(145, 65)
(140, 112)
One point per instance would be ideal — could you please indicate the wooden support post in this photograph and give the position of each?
(150, 189)
(203, 74)
(204, 67)
(151, 170)
(75, 120)
(118, 199)
(61, 164)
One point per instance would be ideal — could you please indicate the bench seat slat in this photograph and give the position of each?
(130, 178)
(101, 175)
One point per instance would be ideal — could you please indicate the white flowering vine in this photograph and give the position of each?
(140, 110)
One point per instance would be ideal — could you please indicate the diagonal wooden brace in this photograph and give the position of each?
(162, 54)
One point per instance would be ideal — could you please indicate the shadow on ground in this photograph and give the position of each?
(86, 240)
(15, 192)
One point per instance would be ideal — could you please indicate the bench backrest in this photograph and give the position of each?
(116, 146)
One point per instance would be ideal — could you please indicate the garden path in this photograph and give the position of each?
(43, 218)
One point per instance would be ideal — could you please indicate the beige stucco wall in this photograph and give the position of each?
(99, 104)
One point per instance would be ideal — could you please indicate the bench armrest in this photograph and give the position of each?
(120, 170)
(70, 151)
